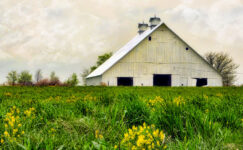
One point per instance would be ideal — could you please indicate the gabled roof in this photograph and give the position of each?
(121, 52)
(130, 46)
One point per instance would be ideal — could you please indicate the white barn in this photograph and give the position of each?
(155, 57)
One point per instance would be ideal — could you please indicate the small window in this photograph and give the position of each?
(187, 48)
(149, 38)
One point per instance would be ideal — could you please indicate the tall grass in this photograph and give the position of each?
(71, 117)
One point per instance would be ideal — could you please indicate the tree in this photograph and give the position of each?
(54, 80)
(84, 74)
(38, 75)
(101, 59)
(25, 78)
(12, 78)
(73, 80)
(224, 64)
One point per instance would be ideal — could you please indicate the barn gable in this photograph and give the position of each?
(156, 51)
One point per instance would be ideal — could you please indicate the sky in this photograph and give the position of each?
(66, 36)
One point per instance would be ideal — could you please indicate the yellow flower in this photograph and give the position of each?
(15, 131)
(165, 147)
(6, 126)
(2, 141)
(22, 132)
(156, 133)
(101, 136)
(115, 147)
(19, 125)
(6, 134)
(162, 136)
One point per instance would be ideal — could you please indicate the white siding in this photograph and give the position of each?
(165, 54)
(94, 81)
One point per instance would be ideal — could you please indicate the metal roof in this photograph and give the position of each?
(128, 47)
(121, 52)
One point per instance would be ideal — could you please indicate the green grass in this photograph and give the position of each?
(68, 117)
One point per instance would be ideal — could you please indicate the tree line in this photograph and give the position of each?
(24, 78)
(222, 62)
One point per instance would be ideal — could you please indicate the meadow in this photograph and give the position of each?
(121, 118)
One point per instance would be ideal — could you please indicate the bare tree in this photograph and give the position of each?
(38, 75)
(224, 64)
(84, 74)
(54, 80)
(12, 78)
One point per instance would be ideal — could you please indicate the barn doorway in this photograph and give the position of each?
(201, 81)
(162, 80)
(125, 81)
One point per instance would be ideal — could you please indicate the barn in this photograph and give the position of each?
(156, 56)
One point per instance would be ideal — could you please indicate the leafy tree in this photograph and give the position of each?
(12, 78)
(101, 59)
(224, 64)
(38, 75)
(73, 80)
(25, 78)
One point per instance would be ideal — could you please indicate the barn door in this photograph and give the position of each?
(125, 81)
(162, 80)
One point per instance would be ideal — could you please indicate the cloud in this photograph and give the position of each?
(67, 36)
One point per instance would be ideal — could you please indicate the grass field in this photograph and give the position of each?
(121, 118)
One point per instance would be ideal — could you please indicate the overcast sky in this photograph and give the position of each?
(66, 36)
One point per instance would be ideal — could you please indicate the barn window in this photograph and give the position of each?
(162, 80)
(187, 48)
(201, 81)
(149, 38)
(125, 81)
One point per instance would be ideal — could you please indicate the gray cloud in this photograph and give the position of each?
(67, 36)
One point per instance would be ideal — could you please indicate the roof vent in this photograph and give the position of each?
(142, 27)
(154, 21)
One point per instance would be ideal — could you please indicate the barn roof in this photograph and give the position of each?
(127, 48)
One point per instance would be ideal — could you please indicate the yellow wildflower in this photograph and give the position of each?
(6, 134)
(2, 141)
(15, 131)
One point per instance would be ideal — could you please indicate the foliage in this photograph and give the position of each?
(143, 137)
(224, 64)
(73, 80)
(109, 118)
(12, 77)
(25, 78)
(101, 59)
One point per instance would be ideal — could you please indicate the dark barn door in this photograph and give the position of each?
(202, 81)
(125, 81)
(162, 80)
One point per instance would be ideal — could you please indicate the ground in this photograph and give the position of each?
(121, 118)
